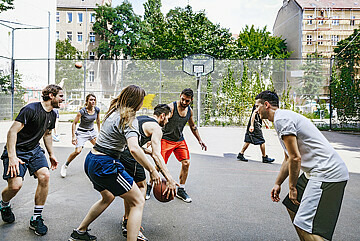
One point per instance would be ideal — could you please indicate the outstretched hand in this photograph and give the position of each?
(275, 192)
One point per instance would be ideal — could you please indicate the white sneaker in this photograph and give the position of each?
(56, 138)
(63, 170)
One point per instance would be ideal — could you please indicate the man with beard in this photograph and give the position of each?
(23, 151)
(173, 140)
(150, 132)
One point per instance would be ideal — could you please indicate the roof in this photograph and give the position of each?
(342, 4)
(80, 3)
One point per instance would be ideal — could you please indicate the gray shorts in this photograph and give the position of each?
(319, 208)
(83, 136)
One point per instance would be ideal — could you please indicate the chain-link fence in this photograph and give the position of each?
(227, 94)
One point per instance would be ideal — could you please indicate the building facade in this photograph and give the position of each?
(74, 21)
(311, 26)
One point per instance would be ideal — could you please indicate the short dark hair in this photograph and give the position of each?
(268, 96)
(161, 108)
(53, 89)
(188, 92)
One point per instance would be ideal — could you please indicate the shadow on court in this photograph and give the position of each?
(231, 201)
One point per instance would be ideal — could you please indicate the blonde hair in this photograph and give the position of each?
(127, 103)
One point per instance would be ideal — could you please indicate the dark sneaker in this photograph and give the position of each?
(241, 157)
(7, 215)
(148, 192)
(183, 195)
(75, 236)
(123, 227)
(38, 226)
(266, 159)
(141, 237)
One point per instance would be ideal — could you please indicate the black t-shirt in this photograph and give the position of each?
(36, 121)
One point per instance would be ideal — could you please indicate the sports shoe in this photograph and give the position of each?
(63, 170)
(141, 236)
(183, 195)
(38, 226)
(148, 192)
(241, 157)
(75, 236)
(123, 227)
(7, 215)
(266, 159)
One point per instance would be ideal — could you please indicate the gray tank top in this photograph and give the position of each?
(173, 130)
(87, 121)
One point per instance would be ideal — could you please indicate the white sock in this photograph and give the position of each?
(182, 186)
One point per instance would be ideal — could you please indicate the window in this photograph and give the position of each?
(69, 17)
(352, 21)
(92, 56)
(92, 37)
(334, 39)
(58, 17)
(321, 22)
(320, 40)
(309, 39)
(79, 37)
(80, 17)
(309, 20)
(92, 17)
(57, 35)
(69, 35)
(335, 20)
(91, 76)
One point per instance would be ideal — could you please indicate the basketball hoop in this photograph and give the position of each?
(198, 65)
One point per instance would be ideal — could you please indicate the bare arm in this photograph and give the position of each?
(49, 147)
(14, 161)
(139, 155)
(283, 174)
(98, 121)
(252, 120)
(195, 131)
(294, 165)
(73, 128)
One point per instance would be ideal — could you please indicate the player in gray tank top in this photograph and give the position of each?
(85, 132)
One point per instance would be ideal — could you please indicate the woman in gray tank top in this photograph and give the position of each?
(85, 132)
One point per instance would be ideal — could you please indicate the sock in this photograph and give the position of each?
(4, 204)
(182, 186)
(67, 164)
(80, 232)
(38, 210)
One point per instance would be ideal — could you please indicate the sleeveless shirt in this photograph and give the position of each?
(173, 130)
(141, 120)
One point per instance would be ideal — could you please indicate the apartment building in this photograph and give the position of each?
(74, 21)
(311, 26)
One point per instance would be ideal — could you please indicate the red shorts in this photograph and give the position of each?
(180, 150)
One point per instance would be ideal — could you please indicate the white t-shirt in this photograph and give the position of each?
(319, 160)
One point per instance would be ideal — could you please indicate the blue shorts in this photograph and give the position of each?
(34, 160)
(132, 167)
(107, 173)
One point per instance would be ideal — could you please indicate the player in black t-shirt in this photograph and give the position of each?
(23, 151)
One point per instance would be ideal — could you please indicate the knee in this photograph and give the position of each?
(141, 185)
(15, 187)
(185, 163)
(43, 176)
(77, 151)
(138, 201)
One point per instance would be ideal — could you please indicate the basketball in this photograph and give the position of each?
(158, 191)
(78, 65)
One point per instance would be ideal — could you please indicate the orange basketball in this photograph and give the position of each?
(78, 65)
(159, 192)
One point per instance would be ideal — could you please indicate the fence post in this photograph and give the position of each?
(330, 86)
(84, 79)
(285, 81)
(160, 84)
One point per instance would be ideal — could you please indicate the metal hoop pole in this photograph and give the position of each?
(198, 99)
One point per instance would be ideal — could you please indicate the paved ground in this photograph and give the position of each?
(231, 199)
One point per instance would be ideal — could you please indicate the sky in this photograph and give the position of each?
(232, 14)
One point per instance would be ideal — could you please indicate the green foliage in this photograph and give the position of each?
(118, 29)
(64, 50)
(345, 84)
(6, 5)
(259, 44)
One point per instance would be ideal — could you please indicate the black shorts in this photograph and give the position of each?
(34, 160)
(132, 167)
(254, 138)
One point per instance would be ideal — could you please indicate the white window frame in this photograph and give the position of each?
(92, 56)
(334, 40)
(57, 35)
(79, 36)
(309, 19)
(92, 37)
(58, 17)
(320, 40)
(92, 17)
(352, 21)
(308, 39)
(78, 17)
(335, 21)
(91, 76)
(321, 22)
(68, 16)
(69, 35)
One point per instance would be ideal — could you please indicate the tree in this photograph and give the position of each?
(6, 5)
(345, 84)
(118, 29)
(64, 50)
(259, 44)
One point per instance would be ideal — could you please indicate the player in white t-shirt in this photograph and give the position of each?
(314, 198)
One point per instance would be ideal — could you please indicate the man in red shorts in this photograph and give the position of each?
(173, 140)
